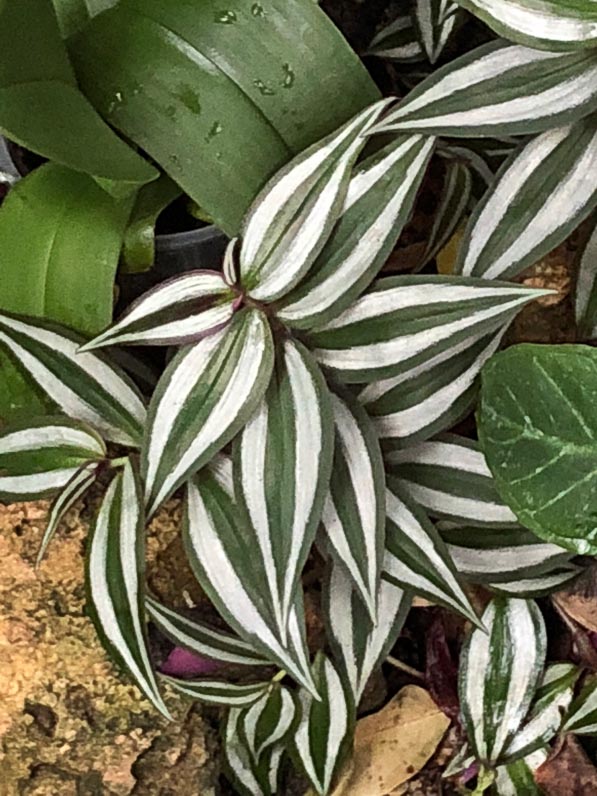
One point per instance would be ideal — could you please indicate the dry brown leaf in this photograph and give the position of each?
(579, 601)
(393, 745)
(570, 765)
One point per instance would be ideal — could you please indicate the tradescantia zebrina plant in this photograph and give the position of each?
(296, 367)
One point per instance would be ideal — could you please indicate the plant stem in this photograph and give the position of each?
(405, 668)
(279, 676)
(485, 779)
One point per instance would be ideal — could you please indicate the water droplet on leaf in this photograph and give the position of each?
(226, 17)
(289, 76)
(263, 88)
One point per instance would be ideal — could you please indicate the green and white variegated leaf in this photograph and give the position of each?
(430, 397)
(498, 89)
(405, 320)
(462, 760)
(379, 201)
(360, 644)
(354, 511)
(416, 558)
(268, 721)
(545, 24)
(500, 669)
(435, 21)
(219, 544)
(115, 580)
(72, 492)
(582, 716)
(537, 585)
(291, 219)
(249, 777)
(541, 195)
(201, 639)
(551, 702)
(205, 396)
(282, 467)
(86, 387)
(397, 41)
(324, 733)
(39, 458)
(218, 692)
(517, 779)
(586, 284)
(450, 478)
(180, 310)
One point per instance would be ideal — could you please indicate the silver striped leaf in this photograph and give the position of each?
(405, 320)
(324, 734)
(397, 41)
(115, 567)
(582, 716)
(379, 201)
(359, 644)
(435, 21)
(545, 24)
(354, 511)
(282, 466)
(450, 478)
(40, 457)
(540, 197)
(585, 300)
(178, 311)
(462, 760)
(540, 585)
(219, 544)
(268, 721)
(499, 88)
(291, 219)
(250, 778)
(417, 559)
(518, 779)
(218, 692)
(432, 396)
(87, 387)
(201, 639)
(551, 702)
(500, 669)
(205, 396)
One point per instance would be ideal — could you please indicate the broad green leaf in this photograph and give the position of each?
(201, 639)
(115, 580)
(221, 114)
(39, 458)
(268, 721)
(397, 41)
(218, 692)
(73, 15)
(582, 716)
(354, 511)
(435, 21)
(500, 669)
(138, 251)
(538, 430)
(546, 24)
(324, 734)
(417, 559)
(378, 203)
(85, 387)
(450, 478)
(498, 89)
(205, 396)
(180, 310)
(360, 644)
(403, 321)
(540, 197)
(282, 466)
(250, 778)
(586, 284)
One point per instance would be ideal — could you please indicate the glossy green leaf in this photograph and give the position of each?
(73, 15)
(138, 251)
(538, 430)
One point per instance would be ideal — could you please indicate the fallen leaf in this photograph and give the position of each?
(394, 744)
(579, 601)
(447, 257)
(568, 764)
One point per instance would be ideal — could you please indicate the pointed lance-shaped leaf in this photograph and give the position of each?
(205, 396)
(360, 644)
(380, 198)
(500, 669)
(518, 778)
(219, 544)
(115, 580)
(38, 458)
(354, 512)
(450, 478)
(432, 396)
(545, 24)
(585, 301)
(498, 89)
(541, 195)
(416, 557)
(291, 219)
(218, 692)
(283, 460)
(324, 734)
(435, 21)
(397, 41)
(535, 586)
(180, 310)
(201, 639)
(405, 320)
(87, 387)
(268, 721)
(582, 716)
(251, 778)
